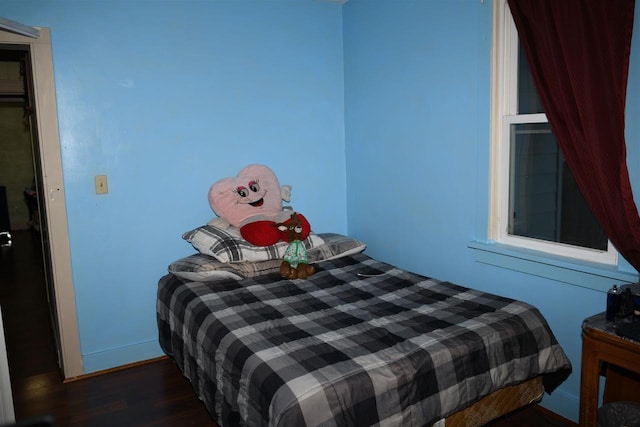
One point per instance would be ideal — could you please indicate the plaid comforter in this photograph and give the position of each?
(360, 343)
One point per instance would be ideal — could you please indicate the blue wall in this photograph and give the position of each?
(166, 98)
(417, 108)
(387, 101)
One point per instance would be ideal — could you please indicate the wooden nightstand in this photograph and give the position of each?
(600, 344)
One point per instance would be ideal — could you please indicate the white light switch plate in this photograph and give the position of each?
(101, 184)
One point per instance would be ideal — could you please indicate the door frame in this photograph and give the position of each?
(55, 202)
(7, 412)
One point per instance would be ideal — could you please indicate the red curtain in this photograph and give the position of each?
(578, 52)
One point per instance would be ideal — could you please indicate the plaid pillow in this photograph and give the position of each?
(201, 267)
(228, 246)
(335, 246)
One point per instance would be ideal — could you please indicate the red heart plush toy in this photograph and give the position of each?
(252, 201)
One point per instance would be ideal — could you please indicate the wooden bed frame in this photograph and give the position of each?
(496, 404)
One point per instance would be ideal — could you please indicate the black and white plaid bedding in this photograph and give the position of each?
(360, 343)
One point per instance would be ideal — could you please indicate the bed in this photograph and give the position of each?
(359, 343)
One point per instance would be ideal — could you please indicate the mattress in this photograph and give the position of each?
(359, 343)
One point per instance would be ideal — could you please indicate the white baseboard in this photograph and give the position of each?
(562, 403)
(115, 357)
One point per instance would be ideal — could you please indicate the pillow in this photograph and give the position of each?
(335, 246)
(201, 267)
(228, 246)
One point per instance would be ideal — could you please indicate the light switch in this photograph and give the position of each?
(101, 184)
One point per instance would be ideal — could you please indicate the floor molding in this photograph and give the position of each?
(116, 369)
(554, 416)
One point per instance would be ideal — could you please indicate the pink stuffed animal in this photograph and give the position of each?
(252, 201)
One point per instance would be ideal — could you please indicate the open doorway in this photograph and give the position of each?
(28, 308)
(52, 217)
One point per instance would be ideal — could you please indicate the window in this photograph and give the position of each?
(535, 201)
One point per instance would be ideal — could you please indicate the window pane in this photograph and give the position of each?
(544, 200)
(528, 101)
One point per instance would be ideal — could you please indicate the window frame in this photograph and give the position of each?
(504, 107)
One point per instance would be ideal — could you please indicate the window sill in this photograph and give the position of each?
(579, 273)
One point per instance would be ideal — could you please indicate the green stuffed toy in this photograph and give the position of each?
(295, 263)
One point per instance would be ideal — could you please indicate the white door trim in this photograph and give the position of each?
(7, 414)
(56, 211)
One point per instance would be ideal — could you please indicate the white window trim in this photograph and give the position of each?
(504, 103)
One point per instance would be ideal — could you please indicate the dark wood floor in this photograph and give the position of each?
(148, 394)
(23, 298)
